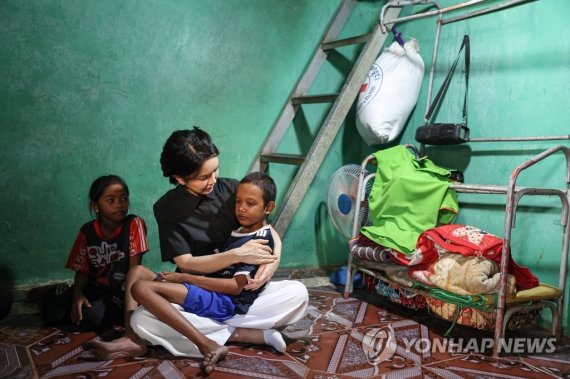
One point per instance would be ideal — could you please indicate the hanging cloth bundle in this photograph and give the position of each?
(445, 133)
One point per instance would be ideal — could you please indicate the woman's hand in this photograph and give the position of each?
(77, 305)
(263, 275)
(255, 252)
(265, 272)
(172, 277)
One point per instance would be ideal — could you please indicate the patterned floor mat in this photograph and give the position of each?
(339, 338)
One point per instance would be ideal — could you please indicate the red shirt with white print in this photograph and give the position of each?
(106, 261)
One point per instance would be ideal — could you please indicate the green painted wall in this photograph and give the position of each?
(90, 88)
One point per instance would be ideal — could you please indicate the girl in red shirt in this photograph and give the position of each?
(101, 256)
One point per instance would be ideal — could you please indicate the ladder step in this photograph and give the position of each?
(490, 189)
(340, 105)
(473, 188)
(345, 42)
(330, 127)
(314, 99)
(288, 112)
(291, 159)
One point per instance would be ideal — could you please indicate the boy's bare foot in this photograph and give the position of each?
(122, 347)
(212, 357)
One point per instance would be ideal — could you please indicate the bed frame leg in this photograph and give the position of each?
(499, 332)
(348, 283)
(557, 319)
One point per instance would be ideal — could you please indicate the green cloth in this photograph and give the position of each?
(470, 301)
(408, 197)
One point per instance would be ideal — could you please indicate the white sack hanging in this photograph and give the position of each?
(389, 93)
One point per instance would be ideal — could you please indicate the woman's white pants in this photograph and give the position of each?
(281, 303)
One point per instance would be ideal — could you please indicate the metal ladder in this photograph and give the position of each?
(342, 103)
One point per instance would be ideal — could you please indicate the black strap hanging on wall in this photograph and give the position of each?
(446, 133)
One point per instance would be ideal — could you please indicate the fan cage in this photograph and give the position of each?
(353, 171)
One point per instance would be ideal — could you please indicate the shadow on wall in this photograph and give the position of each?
(340, 62)
(456, 157)
(302, 130)
(6, 285)
(6, 278)
(331, 247)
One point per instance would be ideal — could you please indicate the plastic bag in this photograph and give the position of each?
(389, 93)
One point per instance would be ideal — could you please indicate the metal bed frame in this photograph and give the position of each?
(503, 311)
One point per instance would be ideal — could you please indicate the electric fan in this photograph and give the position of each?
(341, 198)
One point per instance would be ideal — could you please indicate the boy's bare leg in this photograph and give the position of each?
(129, 345)
(157, 297)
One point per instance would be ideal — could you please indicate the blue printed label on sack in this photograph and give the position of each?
(371, 87)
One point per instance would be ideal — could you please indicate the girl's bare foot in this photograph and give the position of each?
(213, 356)
(122, 347)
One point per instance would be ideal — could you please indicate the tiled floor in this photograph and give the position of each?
(339, 338)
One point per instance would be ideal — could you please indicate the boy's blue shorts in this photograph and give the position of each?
(201, 302)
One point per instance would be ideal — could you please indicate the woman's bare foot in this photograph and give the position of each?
(122, 347)
(213, 356)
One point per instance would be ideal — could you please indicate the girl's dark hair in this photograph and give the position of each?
(264, 182)
(99, 185)
(185, 151)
